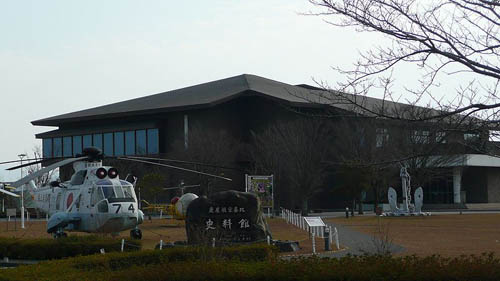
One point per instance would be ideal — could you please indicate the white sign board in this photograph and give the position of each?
(11, 212)
(314, 221)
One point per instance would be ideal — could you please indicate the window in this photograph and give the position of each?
(96, 195)
(77, 145)
(440, 137)
(97, 140)
(119, 144)
(67, 147)
(58, 147)
(78, 177)
(87, 141)
(140, 142)
(108, 144)
(129, 142)
(471, 136)
(420, 137)
(47, 148)
(153, 147)
(382, 137)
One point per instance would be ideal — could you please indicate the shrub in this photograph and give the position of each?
(42, 249)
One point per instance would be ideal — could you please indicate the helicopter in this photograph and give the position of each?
(94, 200)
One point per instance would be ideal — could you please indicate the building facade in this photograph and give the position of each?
(162, 125)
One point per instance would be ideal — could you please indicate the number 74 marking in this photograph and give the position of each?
(130, 208)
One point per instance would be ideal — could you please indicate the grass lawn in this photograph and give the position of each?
(447, 235)
(168, 230)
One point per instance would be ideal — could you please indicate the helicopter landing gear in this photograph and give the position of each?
(60, 234)
(136, 233)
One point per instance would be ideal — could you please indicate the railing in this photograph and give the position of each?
(318, 231)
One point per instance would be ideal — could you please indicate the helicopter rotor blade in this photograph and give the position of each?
(8, 192)
(181, 187)
(183, 161)
(173, 167)
(25, 165)
(24, 160)
(47, 169)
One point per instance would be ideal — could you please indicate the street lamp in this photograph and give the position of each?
(21, 156)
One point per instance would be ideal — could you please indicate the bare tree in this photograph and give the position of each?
(152, 185)
(444, 39)
(45, 178)
(298, 150)
(215, 151)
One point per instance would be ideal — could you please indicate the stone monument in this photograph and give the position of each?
(228, 216)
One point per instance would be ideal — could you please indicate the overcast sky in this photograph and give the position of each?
(63, 56)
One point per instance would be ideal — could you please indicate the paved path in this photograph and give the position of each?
(358, 243)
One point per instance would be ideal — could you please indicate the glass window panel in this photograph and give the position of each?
(119, 191)
(108, 191)
(98, 140)
(108, 144)
(77, 145)
(57, 147)
(140, 142)
(67, 147)
(153, 147)
(47, 148)
(119, 145)
(87, 141)
(130, 143)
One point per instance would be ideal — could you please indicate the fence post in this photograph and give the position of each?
(313, 242)
(123, 244)
(337, 239)
(330, 234)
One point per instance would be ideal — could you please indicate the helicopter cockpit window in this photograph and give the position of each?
(115, 193)
(108, 191)
(97, 195)
(79, 177)
(128, 189)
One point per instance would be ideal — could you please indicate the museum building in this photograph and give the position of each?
(241, 104)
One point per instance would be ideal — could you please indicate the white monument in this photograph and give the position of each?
(407, 208)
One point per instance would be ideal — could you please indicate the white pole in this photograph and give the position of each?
(330, 234)
(313, 242)
(268, 240)
(213, 242)
(161, 214)
(22, 191)
(337, 239)
(22, 206)
(161, 244)
(123, 244)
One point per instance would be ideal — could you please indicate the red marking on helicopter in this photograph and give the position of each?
(69, 200)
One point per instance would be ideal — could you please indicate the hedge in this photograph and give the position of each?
(171, 264)
(43, 249)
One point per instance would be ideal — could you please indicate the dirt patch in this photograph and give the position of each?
(446, 235)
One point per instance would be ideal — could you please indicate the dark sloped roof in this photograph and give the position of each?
(198, 96)
(219, 91)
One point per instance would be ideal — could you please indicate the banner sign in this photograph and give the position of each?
(262, 186)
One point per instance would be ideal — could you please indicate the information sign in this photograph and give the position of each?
(11, 212)
(314, 221)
